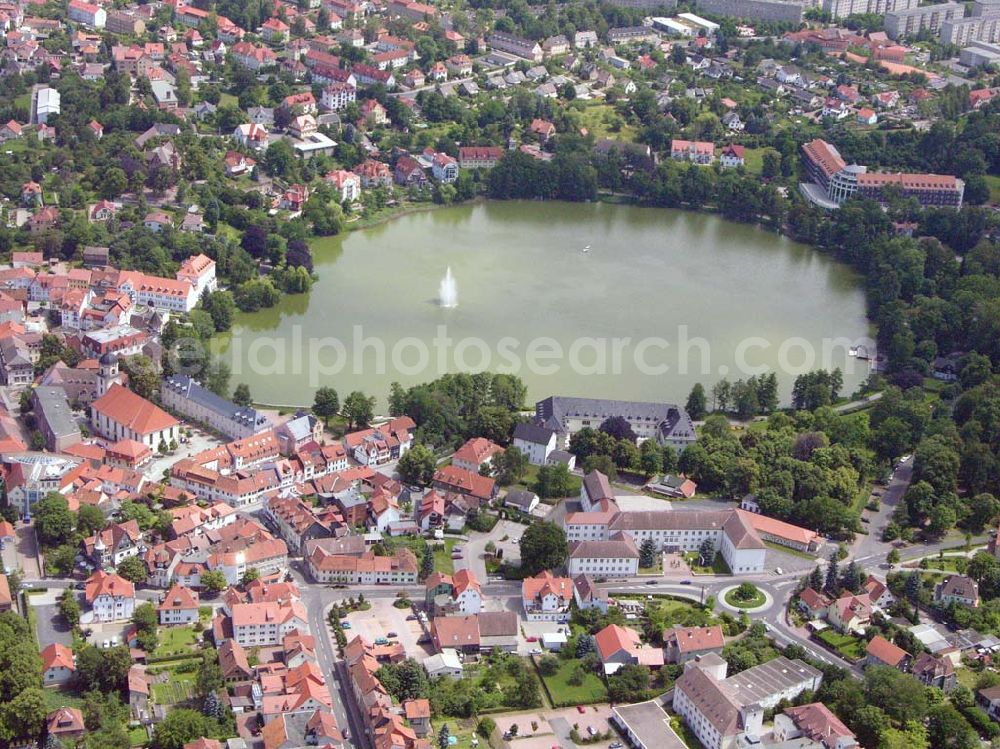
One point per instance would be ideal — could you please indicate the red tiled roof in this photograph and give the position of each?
(133, 411)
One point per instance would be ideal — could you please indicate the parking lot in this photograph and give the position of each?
(383, 618)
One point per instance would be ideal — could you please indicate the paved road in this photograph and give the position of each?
(858, 404)
(870, 548)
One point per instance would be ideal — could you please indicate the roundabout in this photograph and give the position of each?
(736, 598)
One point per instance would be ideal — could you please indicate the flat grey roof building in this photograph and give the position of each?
(647, 726)
(55, 417)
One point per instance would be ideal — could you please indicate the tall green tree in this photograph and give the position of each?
(543, 547)
(359, 409)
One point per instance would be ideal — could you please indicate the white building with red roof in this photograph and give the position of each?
(111, 598)
(58, 664)
(121, 414)
(474, 453)
(619, 646)
(199, 271)
(179, 606)
(379, 445)
(546, 597)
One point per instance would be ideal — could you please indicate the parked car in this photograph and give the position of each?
(391, 635)
(381, 641)
(344, 624)
(411, 617)
(531, 639)
(579, 709)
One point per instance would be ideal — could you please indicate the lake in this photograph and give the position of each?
(577, 299)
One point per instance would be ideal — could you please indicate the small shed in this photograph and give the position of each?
(553, 640)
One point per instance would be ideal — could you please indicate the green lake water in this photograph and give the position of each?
(578, 299)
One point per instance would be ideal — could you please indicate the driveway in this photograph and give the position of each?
(50, 626)
(26, 547)
(474, 551)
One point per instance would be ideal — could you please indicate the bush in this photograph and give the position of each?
(486, 727)
(548, 665)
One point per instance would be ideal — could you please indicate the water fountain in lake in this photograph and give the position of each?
(448, 291)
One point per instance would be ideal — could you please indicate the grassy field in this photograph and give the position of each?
(462, 729)
(994, 184)
(850, 647)
(598, 117)
(56, 698)
(138, 736)
(754, 162)
(719, 566)
(175, 640)
(442, 556)
(788, 550)
(563, 693)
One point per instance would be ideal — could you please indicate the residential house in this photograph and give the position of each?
(454, 479)
(179, 606)
(113, 545)
(696, 152)
(619, 646)
(732, 156)
(521, 499)
(957, 589)
(66, 725)
(476, 452)
(409, 173)
(444, 168)
(935, 671)
(58, 664)
(111, 598)
(881, 652)
(546, 597)
(682, 644)
(815, 723)
(589, 596)
(850, 613)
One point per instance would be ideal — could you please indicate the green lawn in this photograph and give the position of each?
(719, 566)
(994, 184)
(758, 600)
(788, 550)
(461, 728)
(598, 117)
(852, 648)
(56, 698)
(138, 736)
(442, 556)
(175, 640)
(754, 163)
(563, 693)
(948, 562)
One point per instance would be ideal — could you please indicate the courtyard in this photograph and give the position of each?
(383, 618)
